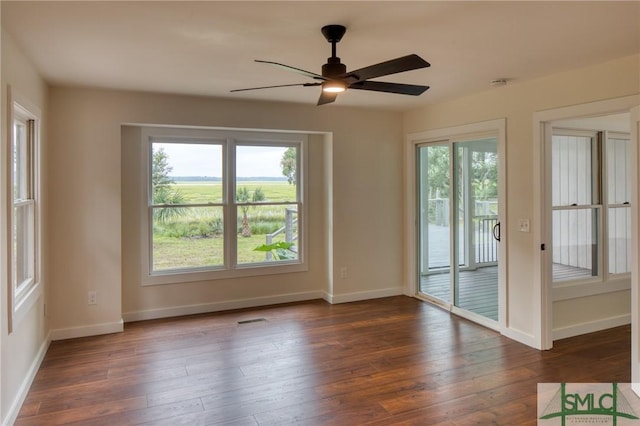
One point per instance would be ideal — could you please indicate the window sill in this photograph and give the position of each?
(24, 303)
(576, 289)
(178, 277)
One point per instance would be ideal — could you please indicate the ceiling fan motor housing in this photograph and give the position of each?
(333, 67)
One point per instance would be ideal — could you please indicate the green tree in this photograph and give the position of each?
(434, 170)
(245, 196)
(288, 164)
(162, 187)
(485, 175)
(437, 169)
(160, 170)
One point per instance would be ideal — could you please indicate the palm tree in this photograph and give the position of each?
(165, 196)
(243, 196)
(163, 192)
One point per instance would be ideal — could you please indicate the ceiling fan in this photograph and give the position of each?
(335, 78)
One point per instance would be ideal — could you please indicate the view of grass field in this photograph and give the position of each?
(211, 192)
(193, 237)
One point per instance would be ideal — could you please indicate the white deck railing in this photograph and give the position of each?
(290, 230)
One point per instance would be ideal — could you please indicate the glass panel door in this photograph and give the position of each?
(458, 225)
(434, 221)
(477, 229)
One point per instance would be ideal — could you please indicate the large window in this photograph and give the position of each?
(223, 204)
(23, 219)
(591, 210)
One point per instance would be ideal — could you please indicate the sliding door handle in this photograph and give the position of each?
(496, 231)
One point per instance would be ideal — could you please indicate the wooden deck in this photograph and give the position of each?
(565, 273)
(378, 362)
(477, 290)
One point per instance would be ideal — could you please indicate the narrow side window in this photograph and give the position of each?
(23, 219)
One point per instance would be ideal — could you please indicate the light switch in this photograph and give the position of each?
(523, 225)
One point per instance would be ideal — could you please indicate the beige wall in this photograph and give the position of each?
(22, 349)
(356, 175)
(517, 102)
(142, 302)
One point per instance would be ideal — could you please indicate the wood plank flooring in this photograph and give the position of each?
(388, 361)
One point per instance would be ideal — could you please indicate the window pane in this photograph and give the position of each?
(269, 173)
(267, 233)
(434, 207)
(619, 240)
(23, 220)
(575, 244)
(572, 177)
(187, 237)
(20, 162)
(484, 192)
(618, 171)
(186, 173)
(435, 229)
(23, 244)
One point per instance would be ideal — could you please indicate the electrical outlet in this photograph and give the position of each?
(92, 298)
(343, 272)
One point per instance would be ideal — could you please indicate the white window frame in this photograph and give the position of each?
(228, 138)
(22, 296)
(606, 205)
(597, 157)
(604, 282)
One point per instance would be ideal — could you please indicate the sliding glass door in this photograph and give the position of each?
(459, 230)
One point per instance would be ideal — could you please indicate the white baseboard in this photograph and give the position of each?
(363, 295)
(14, 409)
(521, 337)
(87, 330)
(175, 311)
(591, 326)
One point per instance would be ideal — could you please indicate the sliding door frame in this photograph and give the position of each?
(496, 128)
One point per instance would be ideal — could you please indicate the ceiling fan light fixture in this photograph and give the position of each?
(334, 86)
(334, 78)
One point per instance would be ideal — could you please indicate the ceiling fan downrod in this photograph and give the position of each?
(333, 34)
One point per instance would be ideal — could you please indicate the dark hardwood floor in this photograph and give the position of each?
(380, 362)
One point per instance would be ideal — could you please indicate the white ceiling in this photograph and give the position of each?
(207, 47)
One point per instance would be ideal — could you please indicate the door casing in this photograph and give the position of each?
(543, 302)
